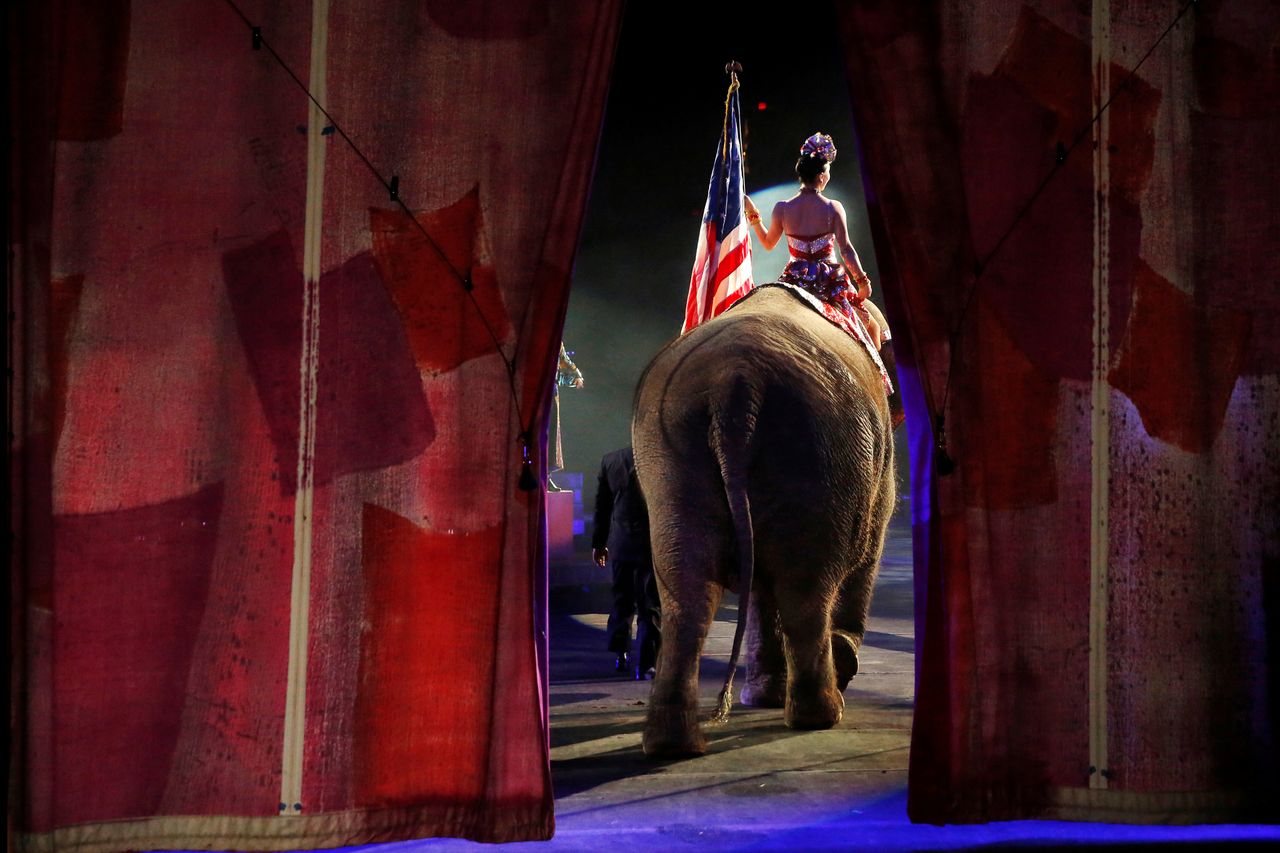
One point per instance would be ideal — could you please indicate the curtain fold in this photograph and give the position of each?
(279, 586)
(1097, 580)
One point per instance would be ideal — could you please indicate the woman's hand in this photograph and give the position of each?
(753, 213)
(863, 282)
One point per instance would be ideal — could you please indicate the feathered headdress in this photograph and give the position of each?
(820, 145)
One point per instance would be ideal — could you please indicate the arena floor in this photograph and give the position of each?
(762, 786)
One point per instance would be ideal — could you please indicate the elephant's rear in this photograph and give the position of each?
(770, 408)
(790, 405)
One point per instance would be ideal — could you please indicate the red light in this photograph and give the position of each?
(762, 106)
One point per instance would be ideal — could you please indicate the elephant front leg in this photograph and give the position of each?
(671, 727)
(765, 685)
(844, 653)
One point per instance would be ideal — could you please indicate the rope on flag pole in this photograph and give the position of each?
(731, 68)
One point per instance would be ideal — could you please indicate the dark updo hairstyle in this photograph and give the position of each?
(809, 166)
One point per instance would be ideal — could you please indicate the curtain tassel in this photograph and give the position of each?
(942, 461)
(528, 482)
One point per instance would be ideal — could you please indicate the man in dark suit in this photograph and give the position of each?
(621, 537)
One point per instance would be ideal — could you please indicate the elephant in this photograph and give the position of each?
(763, 444)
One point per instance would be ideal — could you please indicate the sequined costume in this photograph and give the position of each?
(813, 268)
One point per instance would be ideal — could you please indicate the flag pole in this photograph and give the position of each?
(732, 68)
(722, 264)
(725, 701)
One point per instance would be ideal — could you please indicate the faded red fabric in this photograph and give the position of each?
(960, 108)
(161, 170)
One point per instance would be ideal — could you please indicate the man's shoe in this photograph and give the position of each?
(621, 664)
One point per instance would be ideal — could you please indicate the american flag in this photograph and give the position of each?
(722, 267)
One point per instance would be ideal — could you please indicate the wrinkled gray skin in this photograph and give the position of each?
(764, 447)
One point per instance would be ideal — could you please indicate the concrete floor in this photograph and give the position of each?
(759, 780)
(762, 786)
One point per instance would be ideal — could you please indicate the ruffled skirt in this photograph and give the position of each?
(835, 297)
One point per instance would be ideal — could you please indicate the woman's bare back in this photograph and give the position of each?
(807, 214)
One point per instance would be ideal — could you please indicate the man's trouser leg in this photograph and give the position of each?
(624, 607)
(648, 614)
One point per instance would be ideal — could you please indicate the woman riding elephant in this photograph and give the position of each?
(815, 226)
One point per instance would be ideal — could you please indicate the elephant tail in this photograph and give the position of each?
(730, 434)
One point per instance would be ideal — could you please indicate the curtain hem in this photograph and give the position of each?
(1181, 807)
(490, 824)
(1111, 806)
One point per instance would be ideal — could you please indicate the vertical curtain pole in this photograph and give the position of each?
(300, 597)
(1100, 427)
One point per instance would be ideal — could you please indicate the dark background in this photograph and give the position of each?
(663, 121)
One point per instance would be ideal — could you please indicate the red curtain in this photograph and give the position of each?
(1099, 579)
(279, 586)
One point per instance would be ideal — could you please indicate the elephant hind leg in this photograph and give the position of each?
(813, 702)
(671, 727)
(849, 618)
(854, 601)
(673, 732)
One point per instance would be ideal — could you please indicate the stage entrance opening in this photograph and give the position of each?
(665, 114)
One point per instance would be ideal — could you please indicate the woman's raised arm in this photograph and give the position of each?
(768, 238)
